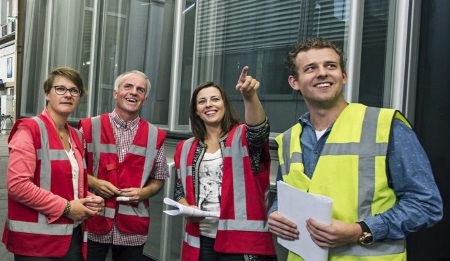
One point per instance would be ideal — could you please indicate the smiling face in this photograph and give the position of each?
(63, 104)
(130, 96)
(320, 78)
(210, 106)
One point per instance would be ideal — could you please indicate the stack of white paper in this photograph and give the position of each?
(298, 206)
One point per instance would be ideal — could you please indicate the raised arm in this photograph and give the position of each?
(247, 86)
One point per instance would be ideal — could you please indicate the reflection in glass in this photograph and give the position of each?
(229, 37)
(108, 37)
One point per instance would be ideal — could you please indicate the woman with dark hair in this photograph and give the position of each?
(46, 179)
(225, 168)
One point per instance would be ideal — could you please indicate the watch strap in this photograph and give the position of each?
(364, 227)
(366, 237)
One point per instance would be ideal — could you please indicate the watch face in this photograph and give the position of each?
(366, 239)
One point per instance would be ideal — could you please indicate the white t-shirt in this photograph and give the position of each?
(319, 134)
(210, 185)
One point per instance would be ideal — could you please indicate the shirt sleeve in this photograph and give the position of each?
(160, 169)
(178, 191)
(419, 204)
(257, 136)
(20, 176)
(274, 206)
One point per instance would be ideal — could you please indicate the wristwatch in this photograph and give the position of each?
(366, 237)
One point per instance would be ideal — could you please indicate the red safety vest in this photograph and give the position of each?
(243, 224)
(134, 171)
(27, 231)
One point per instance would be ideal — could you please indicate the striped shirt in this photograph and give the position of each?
(124, 132)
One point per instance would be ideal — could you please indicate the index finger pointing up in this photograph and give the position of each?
(243, 75)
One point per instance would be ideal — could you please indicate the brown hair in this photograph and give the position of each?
(229, 120)
(68, 73)
(307, 44)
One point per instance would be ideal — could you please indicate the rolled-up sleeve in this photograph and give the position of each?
(419, 203)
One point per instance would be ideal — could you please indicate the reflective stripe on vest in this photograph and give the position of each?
(366, 184)
(139, 211)
(40, 228)
(193, 241)
(108, 212)
(289, 156)
(149, 154)
(96, 148)
(45, 155)
(106, 148)
(290, 141)
(241, 223)
(375, 249)
(185, 171)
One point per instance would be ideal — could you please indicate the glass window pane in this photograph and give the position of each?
(371, 89)
(136, 35)
(187, 63)
(85, 54)
(112, 39)
(69, 46)
(70, 38)
(158, 60)
(32, 93)
(63, 50)
(229, 37)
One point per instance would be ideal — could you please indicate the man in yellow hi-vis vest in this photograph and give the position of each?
(368, 160)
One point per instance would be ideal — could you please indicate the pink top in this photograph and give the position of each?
(21, 167)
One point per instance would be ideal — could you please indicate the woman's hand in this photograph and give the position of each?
(246, 84)
(193, 219)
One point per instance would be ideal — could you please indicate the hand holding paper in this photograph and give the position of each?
(298, 206)
(186, 211)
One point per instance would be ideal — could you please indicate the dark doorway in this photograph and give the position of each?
(432, 123)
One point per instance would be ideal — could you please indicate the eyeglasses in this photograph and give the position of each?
(61, 90)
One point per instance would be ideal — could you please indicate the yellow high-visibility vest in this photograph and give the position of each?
(352, 171)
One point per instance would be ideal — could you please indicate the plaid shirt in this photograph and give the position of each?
(124, 133)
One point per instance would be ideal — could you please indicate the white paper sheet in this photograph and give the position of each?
(298, 206)
(183, 210)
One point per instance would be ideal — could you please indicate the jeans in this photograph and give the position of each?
(99, 251)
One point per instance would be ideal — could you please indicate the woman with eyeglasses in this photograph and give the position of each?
(46, 179)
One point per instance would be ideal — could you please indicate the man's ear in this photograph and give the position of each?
(143, 102)
(344, 77)
(293, 83)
